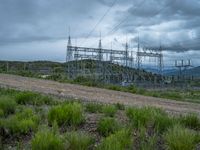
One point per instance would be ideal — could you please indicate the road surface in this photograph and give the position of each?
(94, 94)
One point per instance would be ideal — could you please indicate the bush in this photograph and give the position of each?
(21, 123)
(143, 117)
(32, 99)
(47, 140)
(109, 110)
(7, 105)
(139, 116)
(79, 141)
(69, 114)
(118, 141)
(192, 121)
(93, 107)
(107, 126)
(179, 138)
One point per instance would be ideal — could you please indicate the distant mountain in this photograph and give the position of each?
(192, 71)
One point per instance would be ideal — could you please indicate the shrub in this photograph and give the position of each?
(69, 114)
(107, 126)
(7, 105)
(79, 140)
(118, 141)
(138, 116)
(179, 138)
(32, 98)
(143, 117)
(93, 107)
(162, 122)
(192, 121)
(47, 140)
(109, 110)
(21, 123)
(120, 106)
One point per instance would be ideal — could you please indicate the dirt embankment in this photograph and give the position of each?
(94, 94)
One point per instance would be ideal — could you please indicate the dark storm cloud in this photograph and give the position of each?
(174, 20)
(23, 20)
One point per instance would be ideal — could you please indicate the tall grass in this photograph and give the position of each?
(21, 123)
(107, 126)
(68, 114)
(93, 107)
(109, 110)
(179, 138)
(146, 141)
(32, 98)
(7, 105)
(79, 140)
(47, 140)
(191, 121)
(149, 116)
(119, 141)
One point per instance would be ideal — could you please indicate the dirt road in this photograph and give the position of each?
(94, 94)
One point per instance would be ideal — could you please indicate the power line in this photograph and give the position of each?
(100, 20)
(124, 20)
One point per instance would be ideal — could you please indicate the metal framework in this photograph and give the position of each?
(102, 61)
(151, 52)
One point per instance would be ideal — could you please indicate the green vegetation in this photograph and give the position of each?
(118, 141)
(7, 105)
(146, 141)
(47, 140)
(32, 99)
(21, 123)
(68, 114)
(107, 126)
(191, 121)
(79, 140)
(179, 138)
(93, 107)
(109, 110)
(146, 116)
(28, 121)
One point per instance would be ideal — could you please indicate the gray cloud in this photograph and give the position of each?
(176, 23)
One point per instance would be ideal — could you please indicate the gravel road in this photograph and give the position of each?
(94, 94)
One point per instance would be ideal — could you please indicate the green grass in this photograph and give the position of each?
(7, 105)
(22, 122)
(107, 126)
(32, 98)
(67, 114)
(149, 116)
(146, 141)
(79, 140)
(119, 141)
(179, 138)
(109, 110)
(47, 140)
(93, 107)
(191, 121)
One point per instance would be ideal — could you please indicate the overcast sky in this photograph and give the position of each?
(38, 29)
